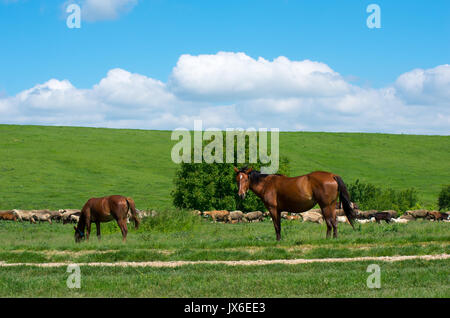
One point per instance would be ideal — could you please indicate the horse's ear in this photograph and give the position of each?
(248, 170)
(236, 169)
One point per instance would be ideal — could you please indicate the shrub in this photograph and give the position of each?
(371, 197)
(444, 198)
(205, 186)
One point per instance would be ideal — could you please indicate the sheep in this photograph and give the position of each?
(25, 216)
(74, 218)
(221, 215)
(312, 217)
(42, 217)
(400, 220)
(342, 219)
(365, 214)
(418, 214)
(407, 217)
(380, 216)
(66, 213)
(255, 216)
(437, 216)
(8, 216)
(364, 221)
(392, 213)
(235, 217)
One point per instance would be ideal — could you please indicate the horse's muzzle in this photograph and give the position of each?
(242, 196)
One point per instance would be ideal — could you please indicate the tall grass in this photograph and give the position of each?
(169, 221)
(165, 221)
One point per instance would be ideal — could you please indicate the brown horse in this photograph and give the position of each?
(97, 210)
(297, 194)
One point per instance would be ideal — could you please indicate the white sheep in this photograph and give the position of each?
(363, 221)
(402, 221)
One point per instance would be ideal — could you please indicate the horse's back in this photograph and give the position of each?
(117, 202)
(293, 194)
(301, 193)
(321, 175)
(105, 209)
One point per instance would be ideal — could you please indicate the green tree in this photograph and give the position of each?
(444, 198)
(204, 186)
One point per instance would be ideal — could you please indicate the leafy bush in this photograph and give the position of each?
(371, 197)
(444, 198)
(207, 186)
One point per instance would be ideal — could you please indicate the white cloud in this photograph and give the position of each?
(120, 87)
(235, 90)
(425, 86)
(227, 74)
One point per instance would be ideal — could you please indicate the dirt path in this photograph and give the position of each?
(240, 263)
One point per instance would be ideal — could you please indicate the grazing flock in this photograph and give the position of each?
(314, 215)
(63, 215)
(34, 216)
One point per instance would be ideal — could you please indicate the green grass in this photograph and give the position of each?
(413, 278)
(195, 239)
(192, 238)
(61, 167)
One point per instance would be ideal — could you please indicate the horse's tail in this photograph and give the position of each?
(344, 197)
(132, 208)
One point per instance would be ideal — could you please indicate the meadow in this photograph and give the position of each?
(401, 279)
(61, 167)
(195, 239)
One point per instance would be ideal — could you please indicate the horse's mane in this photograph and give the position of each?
(256, 176)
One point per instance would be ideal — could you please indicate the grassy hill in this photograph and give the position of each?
(56, 167)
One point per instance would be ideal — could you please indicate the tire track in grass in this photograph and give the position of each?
(239, 263)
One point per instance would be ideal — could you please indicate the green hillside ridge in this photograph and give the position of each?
(61, 167)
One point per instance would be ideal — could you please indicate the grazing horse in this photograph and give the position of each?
(97, 210)
(297, 194)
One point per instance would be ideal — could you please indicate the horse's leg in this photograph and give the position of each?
(330, 219)
(334, 221)
(97, 225)
(123, 227)
(276, 219)
(88, 230)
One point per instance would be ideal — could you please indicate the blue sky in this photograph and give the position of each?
(150, 36)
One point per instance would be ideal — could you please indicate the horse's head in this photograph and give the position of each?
(243, 181)
(79, 235)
